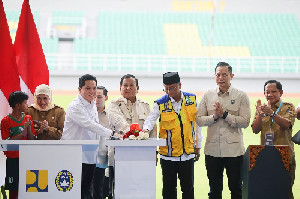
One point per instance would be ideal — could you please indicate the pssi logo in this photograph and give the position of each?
(64, 181)
(37, 181)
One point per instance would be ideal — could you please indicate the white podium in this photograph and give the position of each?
(135, 168)
(49, 168)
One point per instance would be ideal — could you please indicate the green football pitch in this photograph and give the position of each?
(201, 181)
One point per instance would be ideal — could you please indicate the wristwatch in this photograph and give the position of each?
(225, 115)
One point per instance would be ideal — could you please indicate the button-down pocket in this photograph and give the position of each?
(176, 141)
(142, 117)
(233, 108)
(212, 138)
(233, 138)
(52, 122)
(266, 122)
(190, 112)
(168, 120)
(125, 111)
(190, 145)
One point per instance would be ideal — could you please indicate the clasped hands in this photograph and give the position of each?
(218, 110)
(27, 125)
(263, 109)
(43, 127)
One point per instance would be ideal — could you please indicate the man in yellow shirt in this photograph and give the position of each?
(176, 111)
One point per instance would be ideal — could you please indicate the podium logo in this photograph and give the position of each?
(37, 181)
(64, 181)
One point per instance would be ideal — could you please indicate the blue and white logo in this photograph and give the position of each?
(64, 181)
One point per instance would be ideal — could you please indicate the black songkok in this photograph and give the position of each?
(171, 78)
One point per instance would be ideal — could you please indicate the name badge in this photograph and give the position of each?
(269, 138)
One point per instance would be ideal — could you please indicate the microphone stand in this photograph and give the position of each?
(112, 137)
(111, 170)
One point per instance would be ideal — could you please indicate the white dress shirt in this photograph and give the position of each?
(151, 121)
(82, 123)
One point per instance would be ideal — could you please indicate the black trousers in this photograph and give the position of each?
(98, 183)
(185, 172)
(86, 178)
(99, 188)
(215, 168)
(12, 174)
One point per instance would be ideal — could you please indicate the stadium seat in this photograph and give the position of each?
(244, 37)
(12, 17)
(67, 17)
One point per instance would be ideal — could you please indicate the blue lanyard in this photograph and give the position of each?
(272, 121)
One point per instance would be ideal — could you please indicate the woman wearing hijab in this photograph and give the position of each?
(48, 118)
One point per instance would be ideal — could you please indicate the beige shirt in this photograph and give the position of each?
(102, 149)
(103, 119)
(122, 113)
(224, 137)
(281, 136)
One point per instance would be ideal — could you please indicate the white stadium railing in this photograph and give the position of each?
(157, 63)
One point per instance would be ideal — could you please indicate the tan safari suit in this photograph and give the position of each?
(282, 136)
(224, 137)
(55, 118)
(122, 113)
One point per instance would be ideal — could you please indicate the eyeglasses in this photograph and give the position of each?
(170, 89)
(223, 75)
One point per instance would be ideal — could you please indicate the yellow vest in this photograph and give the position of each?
(178, 130)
